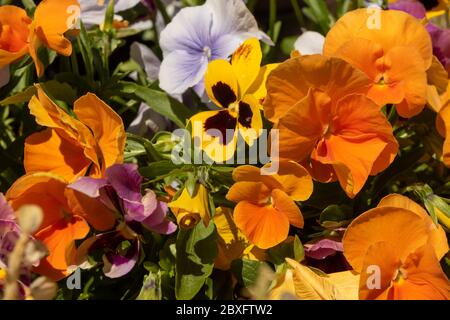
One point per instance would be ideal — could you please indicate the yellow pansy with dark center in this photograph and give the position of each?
(223, 94)
(237, 88)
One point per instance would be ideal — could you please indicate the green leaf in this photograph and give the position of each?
(191, 183)
(151, 287)
(246, 271)
(291, 248)
(157, 100)
(318, 12)
(133, 149)
(85, 46)
(196, 251)
(158, 168)
(57, 90)
(287, 45)
(335, 216)
(109, 17)
(19, 98)
(299, 251)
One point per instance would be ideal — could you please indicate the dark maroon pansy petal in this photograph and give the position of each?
(245, 114)
(223, 94)
(221, 122)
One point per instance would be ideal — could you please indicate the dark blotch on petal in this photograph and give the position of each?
(221, 121)
(224, 94)
(245, 114)
(429, 4)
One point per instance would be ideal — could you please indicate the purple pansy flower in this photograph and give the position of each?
(120, 191)
(119, 250)
(9, 231)
(439, 36)
(201, 34)
(414, 8)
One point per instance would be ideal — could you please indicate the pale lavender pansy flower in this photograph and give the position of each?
(323, 248)
(309, 42)
(93, 11)
(147, 121)
(198, 35)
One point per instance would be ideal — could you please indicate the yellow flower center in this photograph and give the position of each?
(233, 109)
(207, 52)
(400, 276)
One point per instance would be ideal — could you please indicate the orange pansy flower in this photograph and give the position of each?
(291, 80)
(65, 215)
(20, 34)
(396, 248)
(337, 135)
(443, 126)
(392, 48)
(72, 147)
(266, 203)
(231, 243)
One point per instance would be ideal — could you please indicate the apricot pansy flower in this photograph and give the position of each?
(396, 248)
(392, 48)
(73, 147)
(238, 88)
(66, 217)
(266, 203)
(21, 35)
(198, 35)
(333, 129)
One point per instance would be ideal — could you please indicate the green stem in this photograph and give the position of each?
(162, 9)
(298, 13)
(272, 16)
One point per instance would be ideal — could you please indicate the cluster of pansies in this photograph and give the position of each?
(173, 150)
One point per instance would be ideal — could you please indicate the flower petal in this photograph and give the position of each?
(246, 61)
(263, 226)
(399, 227)
(310, 42)
(52, 19)
(181, 70)
(221, 83)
